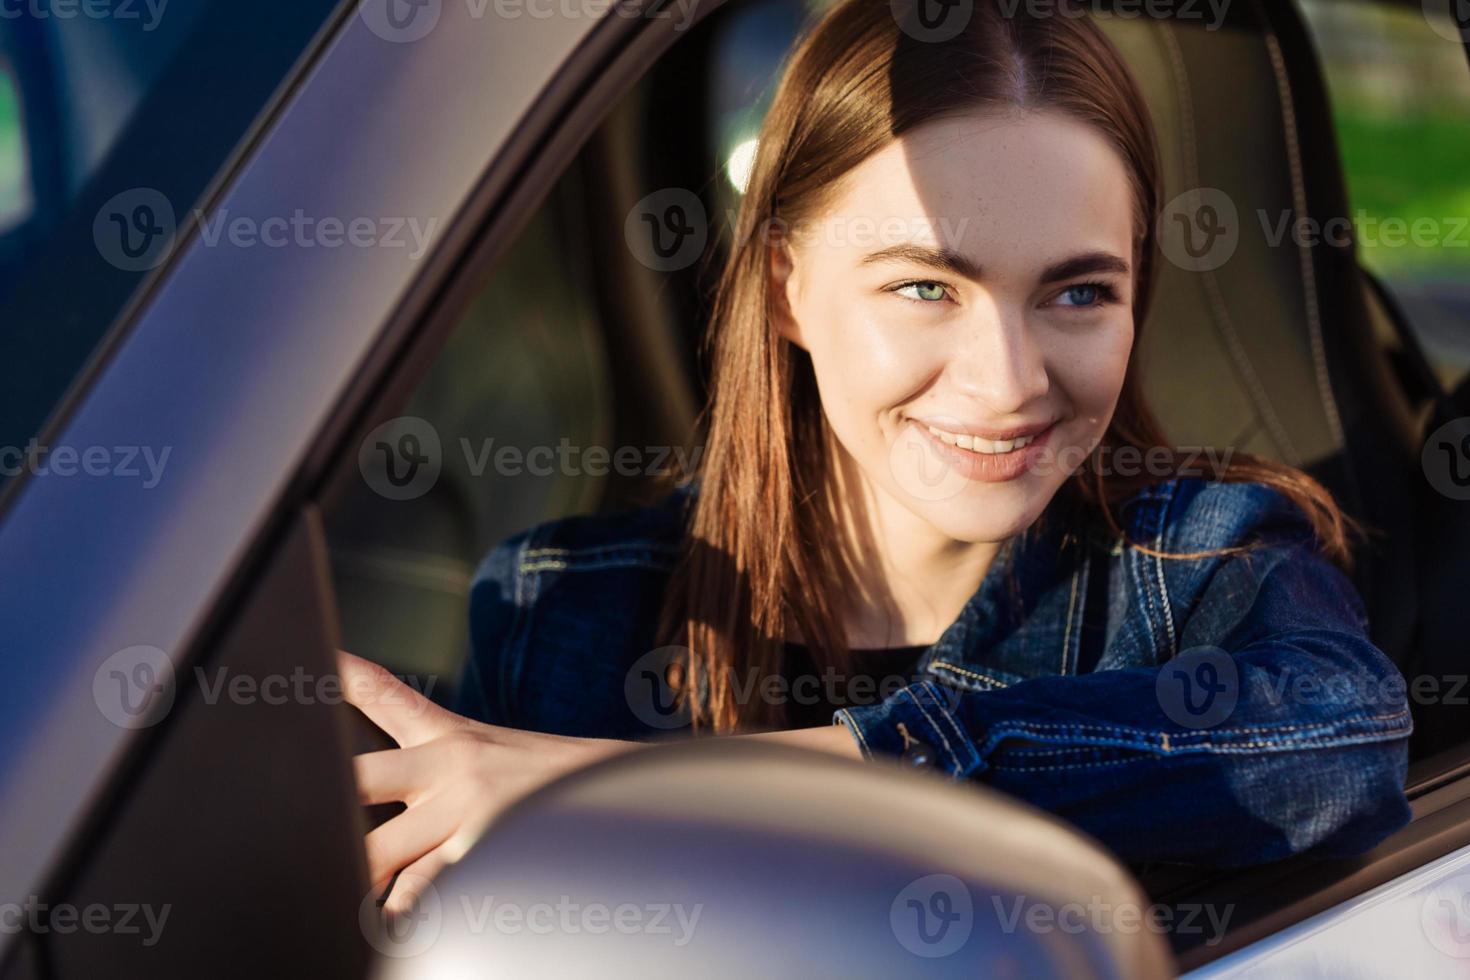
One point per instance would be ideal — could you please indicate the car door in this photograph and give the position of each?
(247, 352)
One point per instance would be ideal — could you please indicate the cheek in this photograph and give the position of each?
(1091, 369)
(864, 363)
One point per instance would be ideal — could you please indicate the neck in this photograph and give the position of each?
(910, 579)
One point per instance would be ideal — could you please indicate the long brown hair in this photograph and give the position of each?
(760, 566)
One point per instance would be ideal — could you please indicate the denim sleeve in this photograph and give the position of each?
(487, 679)
(1279, 729)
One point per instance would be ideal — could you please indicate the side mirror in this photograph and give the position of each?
(724, 858)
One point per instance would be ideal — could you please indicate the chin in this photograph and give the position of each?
(991, 514)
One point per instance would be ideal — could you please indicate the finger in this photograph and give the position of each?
(416, 879)
(393, 775)
(407, 716)
(408, 837)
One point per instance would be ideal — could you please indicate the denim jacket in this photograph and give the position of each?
(1222, 710)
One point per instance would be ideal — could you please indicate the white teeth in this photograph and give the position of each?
(979, 445)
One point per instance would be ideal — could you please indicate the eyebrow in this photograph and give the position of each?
(936, 258)
(951, 261)
(1085, 264)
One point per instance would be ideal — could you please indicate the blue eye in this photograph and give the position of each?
(1084, 295)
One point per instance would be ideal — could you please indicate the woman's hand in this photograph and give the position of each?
(456, 775)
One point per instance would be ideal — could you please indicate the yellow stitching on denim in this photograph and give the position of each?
(1263, 729)
(947, 747)
(853, 727)
(954, 726)
(1071, 607)
(984, 678)
(543, 565)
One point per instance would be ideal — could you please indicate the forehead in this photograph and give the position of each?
(1021, 187)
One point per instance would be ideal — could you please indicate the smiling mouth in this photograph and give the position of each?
(976, 444)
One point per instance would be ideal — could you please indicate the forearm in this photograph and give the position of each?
(836, 739)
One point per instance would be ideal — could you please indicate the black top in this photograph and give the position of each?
(871, 676)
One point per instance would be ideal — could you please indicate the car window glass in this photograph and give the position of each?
(114, 118)
(1400, 89)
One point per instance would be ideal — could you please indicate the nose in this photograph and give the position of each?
(998, 361)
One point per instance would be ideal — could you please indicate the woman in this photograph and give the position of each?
(928, 457)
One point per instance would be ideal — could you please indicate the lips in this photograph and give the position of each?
(979, 444)
(985, 459)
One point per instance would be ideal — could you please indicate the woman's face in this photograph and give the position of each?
(968, 285)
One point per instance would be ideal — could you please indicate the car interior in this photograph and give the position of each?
(1301, 354)
(1309, 355)
(1298, 354)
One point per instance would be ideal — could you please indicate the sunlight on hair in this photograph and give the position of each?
(742, 159)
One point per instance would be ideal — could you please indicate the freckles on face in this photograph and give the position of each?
(978, 272)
